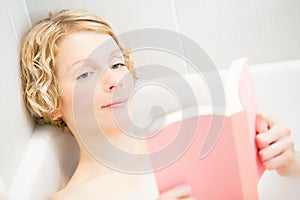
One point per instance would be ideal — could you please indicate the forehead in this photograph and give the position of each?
(85, 45)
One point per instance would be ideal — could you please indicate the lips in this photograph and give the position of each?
(115, 104)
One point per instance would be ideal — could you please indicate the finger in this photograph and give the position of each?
(276, 133)
(177, 192)
(276, 148)
(280, 161)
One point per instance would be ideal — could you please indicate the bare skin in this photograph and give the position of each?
(93, 180)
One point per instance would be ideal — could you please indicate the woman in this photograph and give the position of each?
(58, 59)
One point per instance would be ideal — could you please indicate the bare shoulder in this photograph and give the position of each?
(68, 193)
(83, 192)
(112, 186)
(61, 195)
(87, 190)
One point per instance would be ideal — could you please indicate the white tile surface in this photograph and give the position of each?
(15, 127)
(264, 31)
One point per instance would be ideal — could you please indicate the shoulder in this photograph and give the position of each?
(62, 195)
(112, 186)
(86, 190)
(70, 192)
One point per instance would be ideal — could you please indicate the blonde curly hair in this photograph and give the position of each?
(40, 90)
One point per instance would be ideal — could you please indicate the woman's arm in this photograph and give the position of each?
(276, 147)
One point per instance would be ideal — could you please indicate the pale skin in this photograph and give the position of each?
(276, 149)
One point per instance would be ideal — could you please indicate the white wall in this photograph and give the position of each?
(264, 31)
(15, 126)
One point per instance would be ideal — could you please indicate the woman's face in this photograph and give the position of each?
(91, 73)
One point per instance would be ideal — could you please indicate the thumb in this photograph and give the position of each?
(262, 123)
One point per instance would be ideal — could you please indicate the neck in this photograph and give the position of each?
(89, 167)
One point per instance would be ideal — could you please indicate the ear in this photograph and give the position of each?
(56, 114)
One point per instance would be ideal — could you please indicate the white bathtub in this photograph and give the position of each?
(51, 156)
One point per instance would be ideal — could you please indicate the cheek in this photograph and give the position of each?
(88, 97)
(67, 102)
(77, 102)
(100, 98)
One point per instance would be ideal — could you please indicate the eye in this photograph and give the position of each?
(117, 65)
(84, 75)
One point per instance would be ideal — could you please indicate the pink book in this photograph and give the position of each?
(224, 167)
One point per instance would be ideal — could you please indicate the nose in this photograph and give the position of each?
(111, 81)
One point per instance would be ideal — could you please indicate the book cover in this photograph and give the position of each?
(227, 168)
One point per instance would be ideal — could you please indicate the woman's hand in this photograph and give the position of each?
(276, 148)
(180, 192)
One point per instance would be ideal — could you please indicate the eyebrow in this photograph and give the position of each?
(114, 54)
(77, 62)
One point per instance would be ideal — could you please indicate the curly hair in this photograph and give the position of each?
(40, 90)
